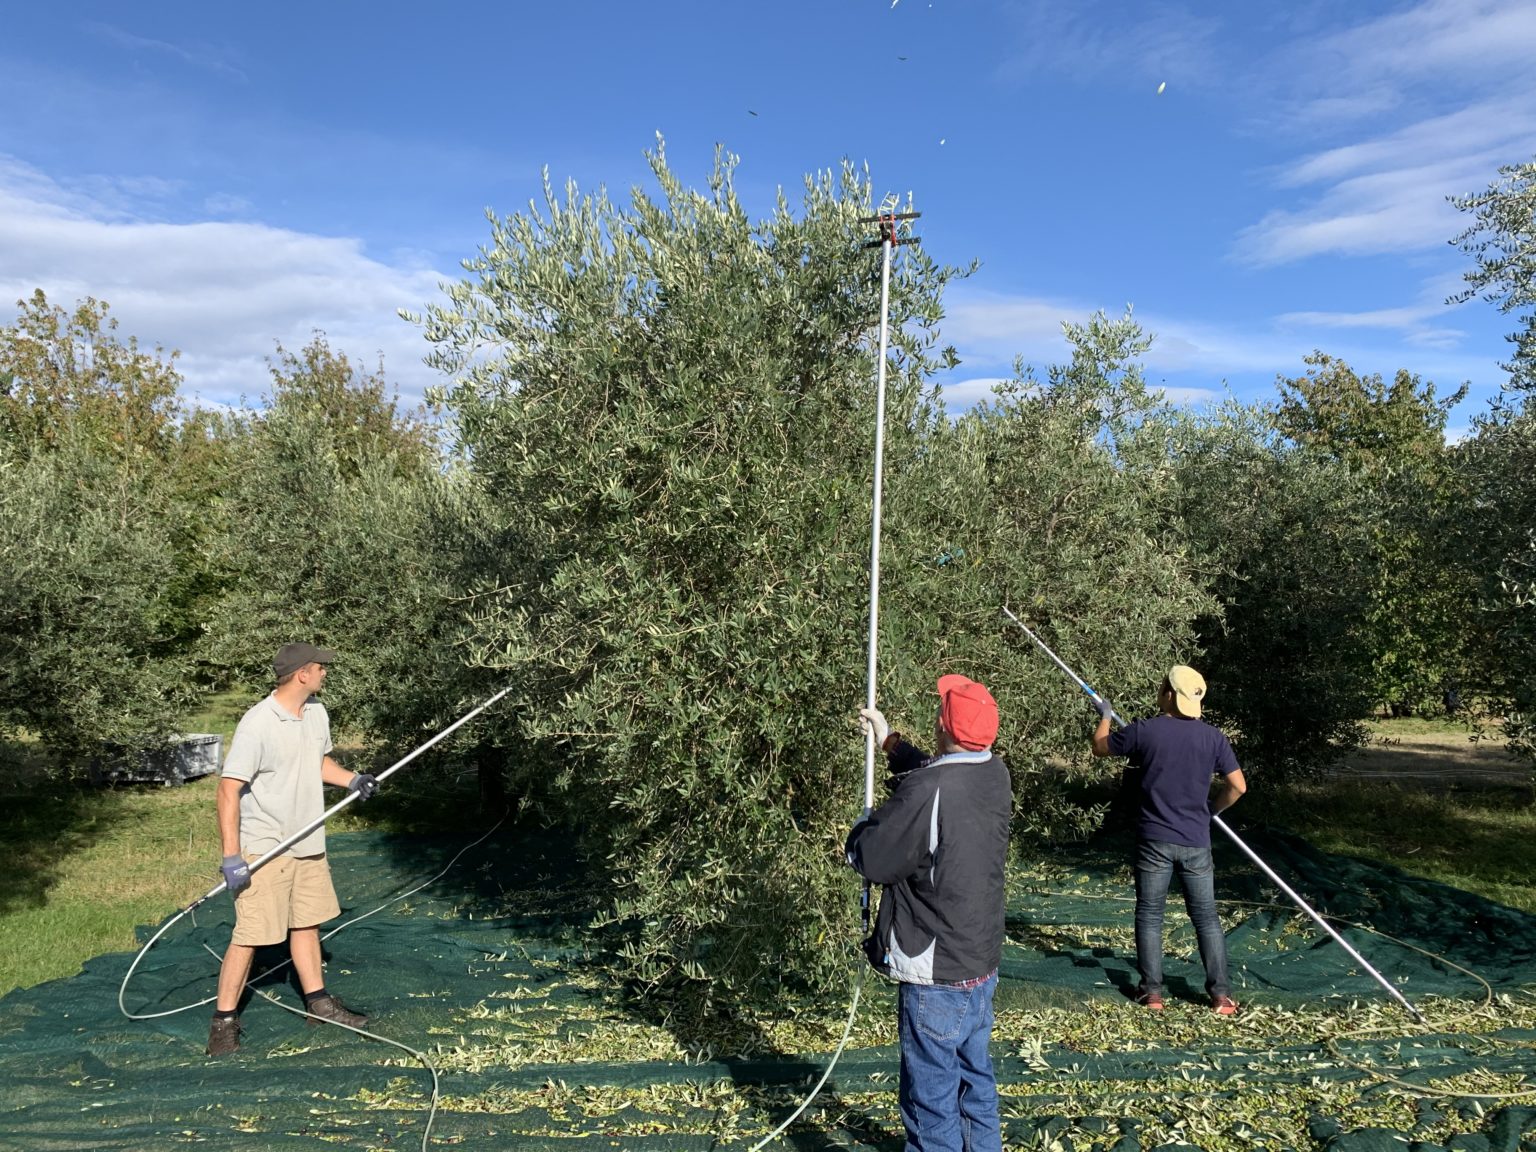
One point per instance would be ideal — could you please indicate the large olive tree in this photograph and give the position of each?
(671, 407)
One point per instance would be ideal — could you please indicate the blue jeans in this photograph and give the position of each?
(1156, 862)
(948, 1092)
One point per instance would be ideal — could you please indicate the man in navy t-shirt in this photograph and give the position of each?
(1178, 754)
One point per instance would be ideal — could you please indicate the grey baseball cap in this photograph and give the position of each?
(292, 657)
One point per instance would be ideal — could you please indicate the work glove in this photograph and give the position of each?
(872, 720)
(363, 784)
(1104, 708)
(237, 873)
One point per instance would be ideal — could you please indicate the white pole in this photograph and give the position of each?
(349, 798)
(888, 238)
(1247, 851)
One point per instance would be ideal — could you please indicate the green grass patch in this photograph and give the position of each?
(221, 711)
(1479, 839)
(1400, 726)
(84, 866)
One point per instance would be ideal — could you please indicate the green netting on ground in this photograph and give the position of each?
(495, 973)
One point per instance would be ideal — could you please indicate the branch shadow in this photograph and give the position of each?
(48, 817)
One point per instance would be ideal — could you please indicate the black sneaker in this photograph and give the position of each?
(223, 1035)
(329, 1009)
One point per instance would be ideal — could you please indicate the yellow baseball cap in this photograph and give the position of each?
(1188, 690)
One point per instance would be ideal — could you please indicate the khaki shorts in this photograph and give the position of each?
(288, 892)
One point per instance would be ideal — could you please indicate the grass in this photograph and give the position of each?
(86, 865)
(1425, 798)
(1481, 840)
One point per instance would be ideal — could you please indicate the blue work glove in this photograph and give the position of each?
(237, 873)
(1104, 708)
(363, 784)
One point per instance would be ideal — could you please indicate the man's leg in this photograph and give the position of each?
(304, 946)
(314, 902)
(1154, 872)
(932, 1019)
(981, 1128)
(1197, 872)
(259, 920)
(233, 974)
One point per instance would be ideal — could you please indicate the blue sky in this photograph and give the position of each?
(231, 176)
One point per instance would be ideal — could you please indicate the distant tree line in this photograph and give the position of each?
(641, 499)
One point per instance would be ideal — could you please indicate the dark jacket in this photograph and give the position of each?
(938, 845)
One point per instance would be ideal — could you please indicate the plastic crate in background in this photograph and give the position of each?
(183, 758)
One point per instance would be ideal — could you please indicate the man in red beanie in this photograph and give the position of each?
(938, 846)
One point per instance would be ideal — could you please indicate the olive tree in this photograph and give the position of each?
(1390, 437)
(1284, 537)
(341, 524)
(1502, 243)
(1494, 537)
(96, 533)
(671, 408)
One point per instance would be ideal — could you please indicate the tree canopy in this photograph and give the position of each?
(1502, 244)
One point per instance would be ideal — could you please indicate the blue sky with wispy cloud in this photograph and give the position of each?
(232, 177)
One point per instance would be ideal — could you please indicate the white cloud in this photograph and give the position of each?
(1386, 191)
(991, 329)
(1392, 318)
(960, 394)
(995, 328)
(1087, 41)
(1468, 132)
(1190, 355)
(204, 56)
(1443, 339)
(1191, 397)
(223, 293)
(1394, 209)
(1420, 325)
(225, 204)
(1468, 39)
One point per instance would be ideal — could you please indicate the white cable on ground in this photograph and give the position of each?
(420, 1056)
(853, 1011)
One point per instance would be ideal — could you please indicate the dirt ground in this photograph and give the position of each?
(1434, 757)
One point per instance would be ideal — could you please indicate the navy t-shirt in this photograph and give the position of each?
(1177, 758)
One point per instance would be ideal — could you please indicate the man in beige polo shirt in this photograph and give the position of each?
(270, 789)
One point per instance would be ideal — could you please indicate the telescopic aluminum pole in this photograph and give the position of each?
(886, 246)
(348, 799)
(888, 243)
(1233, 836)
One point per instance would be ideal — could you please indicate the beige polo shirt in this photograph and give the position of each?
(279, 755)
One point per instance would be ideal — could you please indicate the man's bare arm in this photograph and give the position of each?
(228, 804)
(334, 774)
(1228, 789)
(1101, 737)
